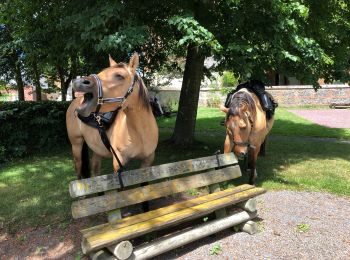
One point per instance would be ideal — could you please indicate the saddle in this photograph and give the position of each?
(267, 102)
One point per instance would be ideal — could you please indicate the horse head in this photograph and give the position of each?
(240, 121)
(108, 89)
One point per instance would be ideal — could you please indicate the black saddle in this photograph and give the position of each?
(268, 103)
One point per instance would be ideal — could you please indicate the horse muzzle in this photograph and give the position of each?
(86, 88)
(241, 156)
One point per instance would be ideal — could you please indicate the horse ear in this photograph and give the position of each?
(134, 62)
(111, 61)
(223, 109)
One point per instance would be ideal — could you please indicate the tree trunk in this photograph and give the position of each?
(186, 117)
(62, 82)
(37, 81)
(19, 81)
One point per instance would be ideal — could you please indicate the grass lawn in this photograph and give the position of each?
(34, 191)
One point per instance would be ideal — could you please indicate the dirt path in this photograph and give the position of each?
(293, 225)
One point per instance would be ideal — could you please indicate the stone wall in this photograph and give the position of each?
(285, 95)
(306, 95)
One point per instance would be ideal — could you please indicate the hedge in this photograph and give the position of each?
(28, 127)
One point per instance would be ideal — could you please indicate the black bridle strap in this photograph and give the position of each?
(101, 100)
(107, 144)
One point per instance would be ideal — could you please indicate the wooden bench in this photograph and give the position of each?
(165, 180)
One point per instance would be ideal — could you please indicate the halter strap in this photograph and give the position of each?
(101, 100)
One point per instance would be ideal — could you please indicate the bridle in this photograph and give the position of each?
(101, 129)
(101, 100)
(247, 144)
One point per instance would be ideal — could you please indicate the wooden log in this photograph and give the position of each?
(182, 238)
(114, 235)
(102, 254)
(122, 250)
(128, 221)
(249, 227)
(115, 200)
(220, 213)
(110, 181)
(249, 205)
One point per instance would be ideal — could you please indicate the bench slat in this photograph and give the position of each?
(128, 221)
(114, 199)
(114, 235)
(108, 182)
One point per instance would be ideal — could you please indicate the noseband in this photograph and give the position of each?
(101, 100)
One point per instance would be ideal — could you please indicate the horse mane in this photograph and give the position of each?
(143, 92)
(237, 100)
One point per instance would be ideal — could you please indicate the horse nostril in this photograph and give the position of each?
(241, 155)
(86, 82)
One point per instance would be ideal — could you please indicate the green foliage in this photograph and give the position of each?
(228, 82)
(216, 249)
(28, 127)
(193, 192)
(303, 227)
(193, 32)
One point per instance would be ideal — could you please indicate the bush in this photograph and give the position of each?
(228, 82)
(28, 127)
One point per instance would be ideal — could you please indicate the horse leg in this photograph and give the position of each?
(96, 164)
(253, 156)
(146, 163)
(228, 145)
(263, 148)
(80, 152)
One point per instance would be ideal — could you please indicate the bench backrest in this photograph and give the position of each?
(167, 179)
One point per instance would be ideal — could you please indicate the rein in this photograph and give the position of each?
(100, 126)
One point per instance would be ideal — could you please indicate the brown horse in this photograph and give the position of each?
(246, 128)
(133, 134)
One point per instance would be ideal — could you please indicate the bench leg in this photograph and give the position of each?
(102, 254)
(248, 205)
(249, 227)
(122, 250)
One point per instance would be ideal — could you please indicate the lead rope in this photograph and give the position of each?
(106, 142)
(217, 159)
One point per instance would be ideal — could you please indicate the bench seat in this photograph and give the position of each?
(134, 226)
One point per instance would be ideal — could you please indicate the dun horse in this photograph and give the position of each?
(246, 128)
(115, 103)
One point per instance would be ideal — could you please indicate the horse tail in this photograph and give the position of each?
(85, 162)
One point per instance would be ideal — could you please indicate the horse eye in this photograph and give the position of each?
(118, 77)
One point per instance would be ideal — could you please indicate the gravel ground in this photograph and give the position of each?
(280, 213)
(334, 118)
(325, 218)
